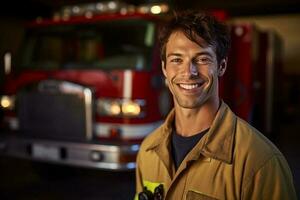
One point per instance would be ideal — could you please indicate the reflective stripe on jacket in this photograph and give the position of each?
(232, 161)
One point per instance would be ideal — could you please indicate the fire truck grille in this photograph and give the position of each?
(53, 116)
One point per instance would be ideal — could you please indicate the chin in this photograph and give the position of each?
(191, 105)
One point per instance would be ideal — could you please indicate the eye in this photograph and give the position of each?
(202, 61)
(176, 60)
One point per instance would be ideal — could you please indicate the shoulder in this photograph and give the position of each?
(155, 138)
(253, 149)
(152, 139)
(264, 166)
(250, 138)
(146, 156)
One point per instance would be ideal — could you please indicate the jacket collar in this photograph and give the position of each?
(217, 142)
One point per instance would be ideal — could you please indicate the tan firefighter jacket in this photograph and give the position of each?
(232, 161)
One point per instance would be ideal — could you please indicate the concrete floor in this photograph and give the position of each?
(19, 179)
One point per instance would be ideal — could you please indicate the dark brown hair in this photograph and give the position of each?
(197, 24)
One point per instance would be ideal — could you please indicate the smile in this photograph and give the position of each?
(190, 86)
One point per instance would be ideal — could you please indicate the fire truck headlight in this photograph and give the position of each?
(131, 108)
(114, 108)
(108, 107)
(7, 102)
(120, 107)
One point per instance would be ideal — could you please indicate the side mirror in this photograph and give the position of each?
(7, 63)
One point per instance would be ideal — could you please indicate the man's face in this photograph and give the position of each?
(191, 71)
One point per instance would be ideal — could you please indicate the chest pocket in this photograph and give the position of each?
(192, 195)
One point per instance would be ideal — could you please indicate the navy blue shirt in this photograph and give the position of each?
(181, 146)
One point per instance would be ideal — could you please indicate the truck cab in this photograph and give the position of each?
(86, 87)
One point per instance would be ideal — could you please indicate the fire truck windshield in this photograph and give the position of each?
(120, 44)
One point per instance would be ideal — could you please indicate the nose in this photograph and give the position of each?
(189, 69)
(193, 69)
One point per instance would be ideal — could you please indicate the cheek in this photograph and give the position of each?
(170, 74)
(214, 75)
(169, 79)
(209, 74)
(212, 78)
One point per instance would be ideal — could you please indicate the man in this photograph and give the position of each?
(203, 150)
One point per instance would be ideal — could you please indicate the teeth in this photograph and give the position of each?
(188, 86)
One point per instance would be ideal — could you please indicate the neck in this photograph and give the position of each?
(189, 122)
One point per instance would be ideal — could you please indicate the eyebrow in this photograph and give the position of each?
(197, 54)
(174, 54)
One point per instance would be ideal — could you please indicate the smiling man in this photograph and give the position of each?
(203, 150)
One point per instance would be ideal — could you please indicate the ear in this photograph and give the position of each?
(163, 67)
(222, 67)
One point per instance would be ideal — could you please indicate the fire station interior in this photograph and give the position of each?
(264, 54)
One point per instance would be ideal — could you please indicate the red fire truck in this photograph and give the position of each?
(252, 83)
(87, 87)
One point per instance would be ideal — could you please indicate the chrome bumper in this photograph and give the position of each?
(92, 155)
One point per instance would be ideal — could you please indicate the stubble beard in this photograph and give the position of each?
(193, 102)
(190, 103)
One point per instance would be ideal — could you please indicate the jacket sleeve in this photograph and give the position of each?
(138, 176)
(273, 180)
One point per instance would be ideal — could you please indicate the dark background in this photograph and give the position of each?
(33, 8)
(21, 179)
